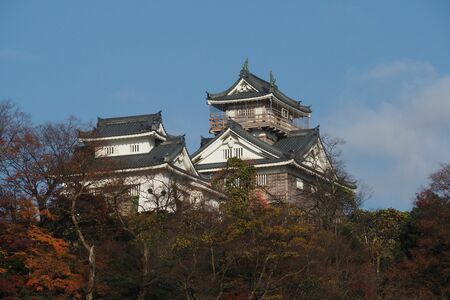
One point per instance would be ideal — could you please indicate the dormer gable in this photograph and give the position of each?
(242, 87)
(234, 141)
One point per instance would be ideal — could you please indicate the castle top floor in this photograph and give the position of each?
(257, 104)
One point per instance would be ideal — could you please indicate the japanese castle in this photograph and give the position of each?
(251, 120)
(256, 122)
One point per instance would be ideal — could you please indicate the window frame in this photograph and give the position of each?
(134, 148)
(261, 180)
(109, 150)
(299, 184)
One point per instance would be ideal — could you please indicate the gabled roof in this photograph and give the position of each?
(122, 126)
(239, 130)
(165, 152)
(294, 146)
(297, 143)
(204, 140)
(263, 88)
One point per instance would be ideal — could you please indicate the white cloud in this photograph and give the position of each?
(399, 136)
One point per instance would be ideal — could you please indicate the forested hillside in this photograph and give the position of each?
(60, 245)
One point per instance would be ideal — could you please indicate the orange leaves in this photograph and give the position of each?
(39, 236)
(34, 259)
(27, 211)
(49, 263)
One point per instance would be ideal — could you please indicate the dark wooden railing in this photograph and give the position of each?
(219, 121)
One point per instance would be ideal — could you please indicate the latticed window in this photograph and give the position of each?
(134, 193)
(285, 113)
(261, 179)
(300, 184)
(238, 152)
(234, 152)
(135, 190)
(243, 112)
(227, 153)
(109, 150)
(134, 148)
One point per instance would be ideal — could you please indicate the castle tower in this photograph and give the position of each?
(258, 106)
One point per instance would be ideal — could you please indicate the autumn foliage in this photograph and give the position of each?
(56, 244)
(33, 262)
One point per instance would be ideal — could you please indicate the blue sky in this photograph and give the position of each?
(377, 74)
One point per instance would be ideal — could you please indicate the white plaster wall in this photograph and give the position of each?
(317, 159)
(183, 162)
(260, 110)
(214, 153)
(231, 113)
(122, 146)
(158, 182)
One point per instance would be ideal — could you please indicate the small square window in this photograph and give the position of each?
(135, 190)
(285, 113)
(261, 179)
(109, 150)
(300, 184)
(238, 152)
(134, 148)
(227, 153)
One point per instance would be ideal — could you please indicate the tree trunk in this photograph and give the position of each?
(89, 248)
(90, 287)
(145, 272)
(378, 263)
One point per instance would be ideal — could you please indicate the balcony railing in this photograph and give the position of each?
(218, 121)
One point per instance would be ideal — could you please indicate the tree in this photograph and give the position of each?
(255, 250)
(32, 261)
(380, 232)
(424, 269)
(33, 158)
(82, 177)
(150, 222)
(331, 196)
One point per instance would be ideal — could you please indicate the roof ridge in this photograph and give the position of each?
(303, 131)
(128, 119)
(175, 138)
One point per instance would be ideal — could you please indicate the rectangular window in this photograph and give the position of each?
(237, 182)
(134, 148)
(244, 112)
(284, 113)
(238, 152)
(299, 183)
(261, 179)
(135, 190)
(227, 153)
(109, 150)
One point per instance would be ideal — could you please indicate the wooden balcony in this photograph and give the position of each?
(270, 120)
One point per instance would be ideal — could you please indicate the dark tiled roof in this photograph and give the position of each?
(243, 95)
(263, 88)
(162, 153)
(109, 127)
(251, 162)
(297, 143)
(238, 129)
(204, 140)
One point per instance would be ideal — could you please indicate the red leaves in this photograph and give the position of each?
(35, 260)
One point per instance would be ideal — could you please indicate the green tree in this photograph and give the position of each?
(380, 231)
